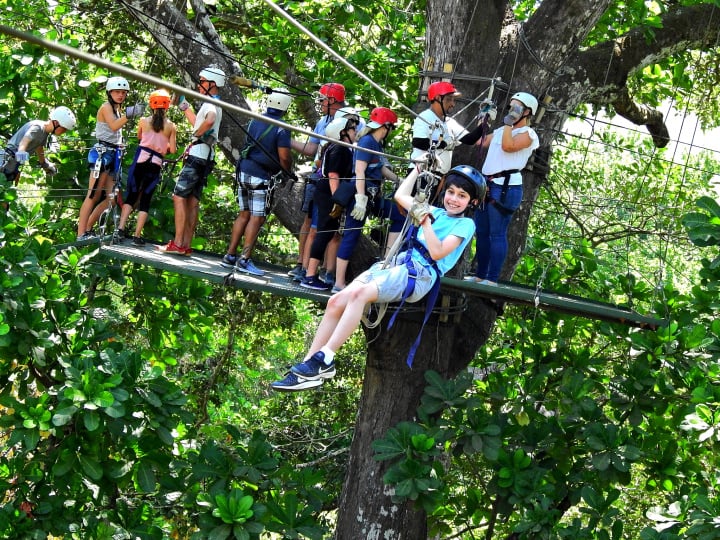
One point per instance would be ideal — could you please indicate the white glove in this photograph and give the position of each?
(135, 110)
(49, 168)
(419, 211)
(21, 157)
(487, 109)
(358, 212)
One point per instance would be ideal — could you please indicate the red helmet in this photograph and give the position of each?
(159, 99)
(440, 89)
(333, 90)
(380, 116)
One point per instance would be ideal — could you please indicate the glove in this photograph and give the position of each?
(513, 115)
(487, 110)
(135, 110)
(49, 168)
(183, 104)
(419, 211)
(358, 212)
(426, 162)
(336, 211)
(21, 157)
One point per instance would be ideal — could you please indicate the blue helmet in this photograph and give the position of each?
(477, 180)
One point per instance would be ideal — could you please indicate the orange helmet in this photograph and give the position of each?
(380, 116)
(440, 89)
(333, 90)
(160, 99)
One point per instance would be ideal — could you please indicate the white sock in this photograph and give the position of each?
(329, 355)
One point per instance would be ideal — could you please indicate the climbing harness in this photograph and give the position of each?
(500, 205)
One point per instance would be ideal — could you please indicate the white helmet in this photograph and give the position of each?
(347, 112)
(526, 99)
(279, 99)
(65, 117)
(117, 83)
(337, 126)
(215, 75)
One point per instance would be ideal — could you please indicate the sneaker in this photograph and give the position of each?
(119, 236)
(138, 241)
(296, 271)
(187, 251)
(247, 266)
(300, 276)
(293, 383)
(485, 282)
(315, 283)
(469, 278)
(172, 247)
(87, 235)
(314, 368)
(336, 289)
(228, 261)
(329, 278)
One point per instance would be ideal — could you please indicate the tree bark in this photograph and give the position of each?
(470, 44)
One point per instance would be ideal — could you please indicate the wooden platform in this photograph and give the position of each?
(206, 266)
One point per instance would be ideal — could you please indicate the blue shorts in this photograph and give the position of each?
(308, 195)
(192, 179)
(392, 280)
(106, 155)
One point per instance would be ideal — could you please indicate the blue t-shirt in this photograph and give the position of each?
(263, 160)
(375, 162)
(445, 226)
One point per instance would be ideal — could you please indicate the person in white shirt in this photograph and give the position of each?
(199, 162)
(508, 150)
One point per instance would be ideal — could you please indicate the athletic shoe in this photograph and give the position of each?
(469, 278)
(300, 276)
(315, 283)
(247, 266)
(138, 241)
(87, 235)
(172, 247)
(336, 289)
(296, 271)
(229, 261)
(329, 278)
(314, 368)
(293, 383)
(187, 251)
(118, 236)
(485, 282)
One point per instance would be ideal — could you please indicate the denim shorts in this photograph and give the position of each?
(392, 280)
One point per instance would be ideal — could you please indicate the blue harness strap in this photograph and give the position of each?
(410, 287)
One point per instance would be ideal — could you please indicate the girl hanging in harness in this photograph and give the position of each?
(157, 135)
(442, 236)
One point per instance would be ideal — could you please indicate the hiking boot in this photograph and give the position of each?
(172, 247)
(293, 383)
(314, 368)
(315, 283)
(229, 261)
(247, 266)
(296, 271)
(138, 241)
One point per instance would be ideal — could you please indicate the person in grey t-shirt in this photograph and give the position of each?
(33, 137)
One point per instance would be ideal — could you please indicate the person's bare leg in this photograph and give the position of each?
(192, 210)
(342, 315)
(141, 220)
(341, 266)
(89, 203)
(238, 231)
(180, 206)
(252, 232)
